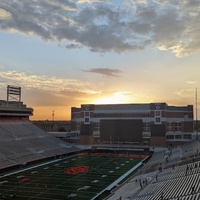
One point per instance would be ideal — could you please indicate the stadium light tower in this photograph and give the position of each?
(13, 94)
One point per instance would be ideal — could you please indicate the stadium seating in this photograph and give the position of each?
(170, 174)
(22, 142)
(174, 179)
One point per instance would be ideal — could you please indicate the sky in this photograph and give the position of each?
(64, 53)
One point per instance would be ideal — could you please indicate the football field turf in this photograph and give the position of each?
(80, 177)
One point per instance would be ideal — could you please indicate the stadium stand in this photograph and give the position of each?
(170, 174)
(175, 178)
(22, 142)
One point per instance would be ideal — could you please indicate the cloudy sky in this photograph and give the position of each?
(64, 53)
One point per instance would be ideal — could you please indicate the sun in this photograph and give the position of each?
(116, 98)
(105, 100)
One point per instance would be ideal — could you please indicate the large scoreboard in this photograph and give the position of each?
(120, 130)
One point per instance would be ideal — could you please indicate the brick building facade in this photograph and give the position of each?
(150, 124)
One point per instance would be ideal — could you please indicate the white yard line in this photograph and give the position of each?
(119, 179)
(23, 170)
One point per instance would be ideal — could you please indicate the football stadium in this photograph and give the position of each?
(38, 166)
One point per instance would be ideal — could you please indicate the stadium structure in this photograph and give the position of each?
(148, 124)
(21, 141)
(38, 166)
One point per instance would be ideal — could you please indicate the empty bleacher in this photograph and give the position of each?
(22, 142)
(174, 179)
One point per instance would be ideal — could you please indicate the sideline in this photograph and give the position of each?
(23, 170)
(112, 185)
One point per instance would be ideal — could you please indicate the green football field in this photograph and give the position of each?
(79, 177)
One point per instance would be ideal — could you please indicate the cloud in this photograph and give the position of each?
(52, 84)
(191, 82)
(105, 26)
(72, 46)
(4, 14)
(47, 91)
(187, 93)
(105, 71)
(88, 1)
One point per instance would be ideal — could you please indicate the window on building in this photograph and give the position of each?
(177, 126)
(146, 127)
(178, 136)
(87, 120)
(157, 113)
(96, 126)
(187, 136)
(157, 120)
(87, 114)
(170, 137)
(170, 126)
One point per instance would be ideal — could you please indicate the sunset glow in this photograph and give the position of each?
(116, 98)
(99, 52)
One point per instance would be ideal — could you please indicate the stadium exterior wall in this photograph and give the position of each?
(161, 124)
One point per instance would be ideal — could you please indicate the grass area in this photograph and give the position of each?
(79, 177)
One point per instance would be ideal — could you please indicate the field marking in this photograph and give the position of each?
(50, 162)
(26, 169)
(120, 179)
(23, 170)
